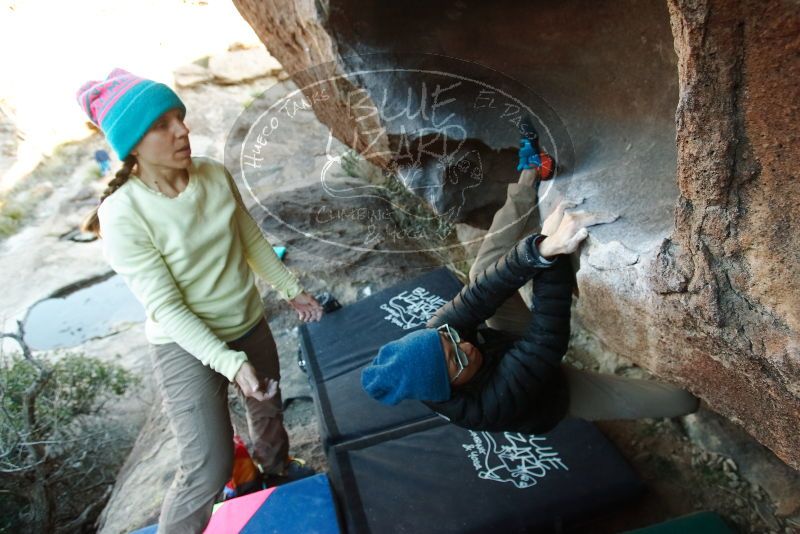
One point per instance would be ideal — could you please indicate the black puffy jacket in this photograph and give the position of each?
(521, 386)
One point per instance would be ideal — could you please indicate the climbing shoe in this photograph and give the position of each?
(295, 470)
(530, 154)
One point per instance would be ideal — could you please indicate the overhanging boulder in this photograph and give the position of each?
(699, 281)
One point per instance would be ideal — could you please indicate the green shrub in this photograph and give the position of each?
(12, 215)
(61, 444)
(414, 218)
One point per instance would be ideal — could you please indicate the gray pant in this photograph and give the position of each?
(195, 399)
(593, 396)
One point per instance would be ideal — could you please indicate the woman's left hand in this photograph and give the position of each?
(307, 307)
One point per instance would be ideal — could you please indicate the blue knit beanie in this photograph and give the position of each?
(412, 367)
(124, 106)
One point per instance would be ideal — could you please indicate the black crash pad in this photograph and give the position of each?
(343, 342)
(405, 469)
(448, 479)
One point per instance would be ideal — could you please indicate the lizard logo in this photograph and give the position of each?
(519, 459)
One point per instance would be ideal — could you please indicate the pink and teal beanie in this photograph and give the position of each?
(124, 106)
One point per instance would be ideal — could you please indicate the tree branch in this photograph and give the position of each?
(42, 500)
(87, 513)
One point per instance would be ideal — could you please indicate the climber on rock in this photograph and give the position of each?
(486, 361)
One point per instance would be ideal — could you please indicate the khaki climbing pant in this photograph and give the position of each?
(593, 396)
(195, 399)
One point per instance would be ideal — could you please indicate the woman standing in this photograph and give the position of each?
(174, 227)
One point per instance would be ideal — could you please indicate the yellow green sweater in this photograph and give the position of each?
(189, 260)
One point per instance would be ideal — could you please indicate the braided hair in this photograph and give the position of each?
(91, 224)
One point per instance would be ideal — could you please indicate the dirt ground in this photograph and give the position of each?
(680, 476)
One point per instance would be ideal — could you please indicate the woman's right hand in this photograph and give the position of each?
(568, 229)
(251, 386)
(307, 307)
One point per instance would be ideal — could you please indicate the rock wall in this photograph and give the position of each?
(698, 281)
(730, 273)
(295, 34)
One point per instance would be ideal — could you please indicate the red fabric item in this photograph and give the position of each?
(244, 470)
(546, 170)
